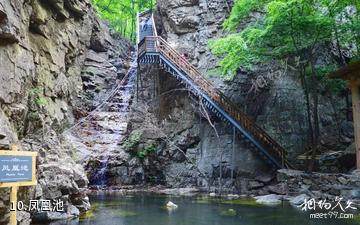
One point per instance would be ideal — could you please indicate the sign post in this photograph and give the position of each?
(17, 169)
(13, 198)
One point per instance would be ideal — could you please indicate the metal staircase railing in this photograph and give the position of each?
(156, 44)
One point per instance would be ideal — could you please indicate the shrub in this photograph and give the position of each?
(146, 151)
(133, 140)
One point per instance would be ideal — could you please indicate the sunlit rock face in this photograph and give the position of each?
(188, 26)
(182, 16)
(277, 104)
(50, 53)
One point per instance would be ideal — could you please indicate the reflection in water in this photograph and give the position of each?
(145, 209)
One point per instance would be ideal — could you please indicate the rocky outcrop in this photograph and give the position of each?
(268, 199)
(52, 55)
(321, 185)
(189, 152)
(9, 25)
(275, 100)
(189, 25)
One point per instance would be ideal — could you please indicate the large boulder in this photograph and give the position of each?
(23, 218)
(179, 191)
(10, 14)
(100, 41)
(298, 200)
(271, 199)
(46, 216)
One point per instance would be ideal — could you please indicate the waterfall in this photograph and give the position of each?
(97, 136)
(120, 104)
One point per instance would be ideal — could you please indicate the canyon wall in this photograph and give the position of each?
(57, 59)
(193, 154)
(57, 63)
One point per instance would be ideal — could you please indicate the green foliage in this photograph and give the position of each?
(234, 51)
(152, 179)
(150, 148)
(90, 214)
(286, 28)
(122, 14)
(241, 10)
(41, 101)
(334, 86)
(146, 151)
(133, 140)
(228, 212)
(36, 95)
(241, 201)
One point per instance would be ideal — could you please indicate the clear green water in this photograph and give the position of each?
(145, 209)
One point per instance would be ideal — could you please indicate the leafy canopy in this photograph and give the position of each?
(283, 28)
(122, 14)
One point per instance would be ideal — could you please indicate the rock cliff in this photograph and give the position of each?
(276, 102)
(189, 152)
(57, 59)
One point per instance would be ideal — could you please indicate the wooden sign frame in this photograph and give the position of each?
(16, 184)
(33, 181)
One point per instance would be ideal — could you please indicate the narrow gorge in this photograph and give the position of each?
(105, 119)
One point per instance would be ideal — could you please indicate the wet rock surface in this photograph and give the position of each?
(52, 54)
(271, 199)
(99, 137)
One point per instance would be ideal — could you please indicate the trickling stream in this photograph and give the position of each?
(100, 175)
(98, 136)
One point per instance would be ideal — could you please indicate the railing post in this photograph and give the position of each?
(137, 82)
(154, 26)
(145, 44)
(138, 31)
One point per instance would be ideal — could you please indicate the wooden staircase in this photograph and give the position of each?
(154, 49)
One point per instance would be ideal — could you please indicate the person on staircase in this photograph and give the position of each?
(184, 60)
(148, 23)
(143, 25)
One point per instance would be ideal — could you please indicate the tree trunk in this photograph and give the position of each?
(315, 97)
(348, 106)
(336, 115)
(308, 107)
(132, 21)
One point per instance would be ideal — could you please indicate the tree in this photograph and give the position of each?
(122, 14)
(296, 29)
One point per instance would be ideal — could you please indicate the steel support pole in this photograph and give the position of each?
(233, 153)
